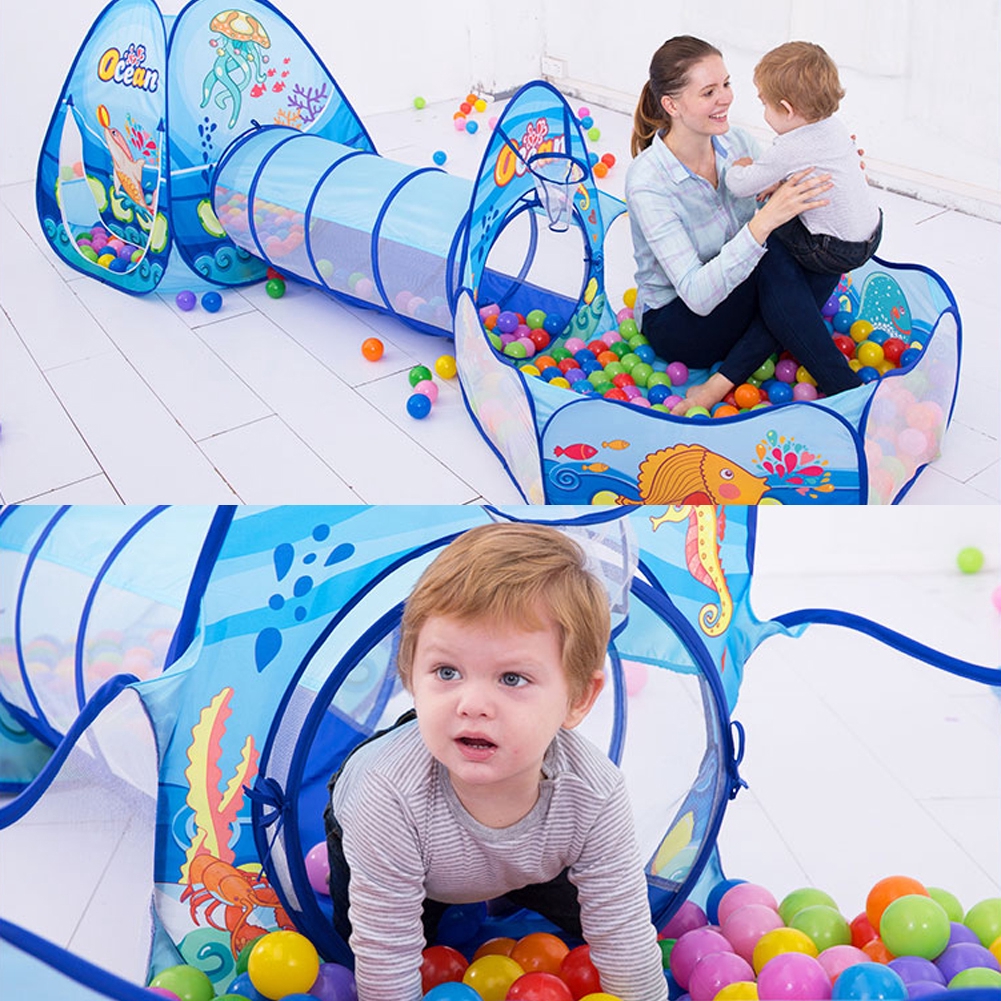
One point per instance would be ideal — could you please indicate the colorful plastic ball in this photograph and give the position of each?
(910, 357)
(459, 122)
(212, 302)
(691, 947)
(971, 560)
(911, 968)
(893, 349)
(275, 288)
(859, 330)
(445, 366)
(804, 392)
(472, 126)
(451, 991)
(507, 322)
(840, 957)
(334, 983)
(599, 169)
(842, 321)
(747, 396)
(782, 392)
(885, 891)
(554, 324)
(480, 105)
(785, 370)
(537, 985)
(697, 412)
(744, 927)
(824, 924)
(677, 372)
(778, 941)
(714, 972)
(869, 353)
(318, 868)
(185, 300)
(984, 917)
(491, 976)
(419, 103)
(845, 345)
(867, 981)
(961, 957)
(948, 900)
(418, 373)
(439, 156)
(608, 159)
(535, 318)
(594, 133)
(187, 982)
(283, 962)
(996, 598)
(441, 964)
(830, 307)
(418, 406)
(515, 349)
(975, 977)
(628, 328)
(742, 990)
(426, 387)
(795, 976)
(241, 986)
(807, 896)
(540, 952)
(914, 925)
(868, 374)
(629, 297)
(742, 894)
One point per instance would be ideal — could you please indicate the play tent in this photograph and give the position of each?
(209, 774)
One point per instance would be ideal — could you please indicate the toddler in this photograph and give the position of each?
(489, 792)
(799, 87)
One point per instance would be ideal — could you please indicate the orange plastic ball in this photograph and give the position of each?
(725, 410)
(599, 170)
(877, 951)
(885, 891)
(500, 946)
(470, 98)
(540, 952)
(747, 396)
(372, 348)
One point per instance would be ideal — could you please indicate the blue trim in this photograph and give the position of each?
(836, 617)
(184, 631)
(81, 695)
(377, 225)
(77, 968)
(453, 269)
(38, 727)
(104, 695)
(752, 538)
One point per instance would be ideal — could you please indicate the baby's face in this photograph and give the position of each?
(490, 697)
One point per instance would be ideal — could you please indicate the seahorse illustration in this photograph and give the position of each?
(705, 529)
(691, 474)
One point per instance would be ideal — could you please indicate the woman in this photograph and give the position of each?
(711, 286)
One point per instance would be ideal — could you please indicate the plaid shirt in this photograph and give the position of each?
(689, 239)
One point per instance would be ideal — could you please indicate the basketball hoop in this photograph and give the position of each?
(556, 177)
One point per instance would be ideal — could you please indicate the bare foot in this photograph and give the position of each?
(706, 394)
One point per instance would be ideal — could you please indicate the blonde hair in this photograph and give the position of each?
(802, 74)
(515, 574)
(669, 70)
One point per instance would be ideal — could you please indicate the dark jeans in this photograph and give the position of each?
(556, 900)
(824, 254)
(777, 308)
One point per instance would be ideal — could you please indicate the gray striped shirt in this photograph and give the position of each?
(407, 836)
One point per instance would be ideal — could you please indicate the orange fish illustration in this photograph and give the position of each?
(691, 474)
(617, 444)
(127, 172)
(580, 450)
(595, 467)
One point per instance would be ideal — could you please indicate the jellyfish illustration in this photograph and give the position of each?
(238, 60)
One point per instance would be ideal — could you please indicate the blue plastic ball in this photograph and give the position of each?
(452, 990)
(658, 393)
(842, 321)
(909, 357)
(471, 126)
(781, 392)
(185, 300)
(242, 985)
(120, 264)
(868, 980)
(583, 387)
(586, 122)
(212, 302)
(592, 158)
(878, 337)
(868, 374)
(583, 356)
(418, 406)
(554, 324)
(439, 156)
(645, 353)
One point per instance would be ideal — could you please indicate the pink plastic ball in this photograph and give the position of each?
(633, 392)
(744, 926)
(996, 597)
(912, 443)
(574, 344)
(741, 894)
(529, 345)
(785, 370)
(672, 401)
(693, 946)
(318, 868)
(490, 309)
(522, 330)
(492, 121)
(459, 123)
(507, 338)
(624, 314)
(794, 975)
(583, 111)
(688, 916)
(611, 337)
(639, 401)
(677, 372)
(713, 972)
(162, 992)
(428, 388)
(839, 957)
(804, 391)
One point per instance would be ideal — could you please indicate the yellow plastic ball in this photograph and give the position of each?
(491, 976)
(283, 962)
(559, 381)
(860, 330)
(629, 298)
(445, 366)
(854, 364)
(529, 370)
(885, 366)
(803, 376)
(869, 353)
(739, 990)
(600, 996)
(480, 105)
(995, 948)
(778, 941)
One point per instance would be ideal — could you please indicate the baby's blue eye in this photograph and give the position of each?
(512, 679)
(447, 673)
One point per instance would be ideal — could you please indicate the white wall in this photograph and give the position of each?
(922, 75)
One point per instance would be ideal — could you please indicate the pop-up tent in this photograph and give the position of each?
(203, 783)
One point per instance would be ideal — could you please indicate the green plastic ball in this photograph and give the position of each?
(658, 379)
(636, 341)
(984, 920)
(970, 559)
(629, 359)
(419, 103)
(514, 349)
(614, 368)
(597, 377)
(976, 976)
(419, 373)
(241, 960)
(666, 947)
(594, 133)
(793, 902)
(619, 348)
(495, 340)
(766, 371)
(86, 250)
(275, 288)
(950, 902)
(535, 318)
(628, 328)
(559, 354)
(641, 373)
(823, 924)
(188, 983)
(697, 412)
(915, 925)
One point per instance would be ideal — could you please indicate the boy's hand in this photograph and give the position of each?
(744, 161)
(768, 192)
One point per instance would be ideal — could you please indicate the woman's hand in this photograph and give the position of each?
(801, 192)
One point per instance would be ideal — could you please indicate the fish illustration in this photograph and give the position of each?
(616, 443)
(579, 450)
(127, 172)
(595, 467)
(691, 474)
(884, 305)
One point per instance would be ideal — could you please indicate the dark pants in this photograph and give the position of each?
(556, 900)
(824, 254)
(777, 308)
